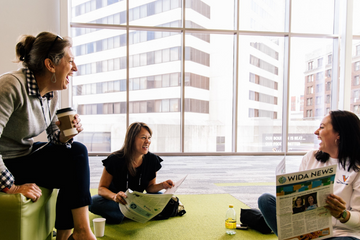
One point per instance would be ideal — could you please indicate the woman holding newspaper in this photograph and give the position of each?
(132, 167)
(339, 135)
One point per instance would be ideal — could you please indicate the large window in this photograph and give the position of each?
(205, 82)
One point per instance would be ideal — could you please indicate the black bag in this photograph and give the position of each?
(255, 220)
(172, 209)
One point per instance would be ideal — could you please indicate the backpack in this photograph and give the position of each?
(173, 208)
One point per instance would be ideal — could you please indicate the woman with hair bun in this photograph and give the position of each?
(29, 100)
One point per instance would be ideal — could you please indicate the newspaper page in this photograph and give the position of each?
(141, 207)
(300, 200)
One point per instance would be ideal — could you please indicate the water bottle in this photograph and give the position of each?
(230, 220)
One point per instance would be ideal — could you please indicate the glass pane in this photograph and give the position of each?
(310, 16)
(99, 88)
(356, 17)
(260, 90)
(310, 90)
(210, 14)
(262, 15)
(355, 78)
(155, 87)
(208, 92)
(159, 13)
(98, 11)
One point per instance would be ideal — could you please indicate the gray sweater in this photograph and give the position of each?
(21, 116)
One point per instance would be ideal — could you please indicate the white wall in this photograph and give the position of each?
(19, 17)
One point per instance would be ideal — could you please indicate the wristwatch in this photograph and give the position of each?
(342, 216)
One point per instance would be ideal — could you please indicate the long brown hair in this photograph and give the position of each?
(127, 150)
(32, 51)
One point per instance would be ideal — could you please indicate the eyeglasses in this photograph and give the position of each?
(47, 55)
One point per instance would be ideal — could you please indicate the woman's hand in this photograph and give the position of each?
(29, 190)
(120, 198)
(336, 205)
(76, 124)
(167, 184)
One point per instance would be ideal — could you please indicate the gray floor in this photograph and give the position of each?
(244, 177)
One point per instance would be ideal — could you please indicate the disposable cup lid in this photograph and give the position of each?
(99, 219)
(63, 110)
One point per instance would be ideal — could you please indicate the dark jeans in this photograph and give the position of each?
(107, 209)
(56, 166)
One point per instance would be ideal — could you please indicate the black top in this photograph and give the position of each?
(116, 166)
(298, 209)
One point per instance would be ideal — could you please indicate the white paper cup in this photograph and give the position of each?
(99, 227)
(66, 116)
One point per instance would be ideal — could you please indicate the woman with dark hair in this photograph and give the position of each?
(29, 100)
(310, 203)
(339, 135)
(132, 167)
(298, 205)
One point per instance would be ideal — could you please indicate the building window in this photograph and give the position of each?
(318, 100)
(328, 86)
(263, 81)
(356, 109)
(255, 113)
(356, 80)
(309, 102)
(328, 99)
(310, 90)
(319, 76)
(310, 65)
(310, 78)
(356, 95)
(319, 88)
(328, 72)
(263, 65)
(265, 49)
(330, 59)
(357, 66)
(320, 62)
(309, 113)
(358, 50)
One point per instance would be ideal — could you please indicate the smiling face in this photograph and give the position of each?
(142, 142)
(64, 70)
(299, 202)
(311, 200)
(328, 137)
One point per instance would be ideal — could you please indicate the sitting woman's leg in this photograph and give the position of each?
(267, 206)
(107, 209)
(67, 169)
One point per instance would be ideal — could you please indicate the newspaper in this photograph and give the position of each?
(141, 207)
(306, 222)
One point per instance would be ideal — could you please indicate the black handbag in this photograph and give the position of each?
(173, 208)
(255, 220)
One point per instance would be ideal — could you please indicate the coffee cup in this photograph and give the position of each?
(66, 117)
(99, 227)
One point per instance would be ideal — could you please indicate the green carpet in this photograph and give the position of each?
(204, 219)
